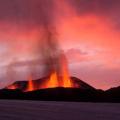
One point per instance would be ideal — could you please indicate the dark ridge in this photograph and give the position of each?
(85, 93)
(23, 84)
(82, 84)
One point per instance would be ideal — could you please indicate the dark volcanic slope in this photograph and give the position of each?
(23, 84)
(82, 84)
(84, 93)
(113, 94)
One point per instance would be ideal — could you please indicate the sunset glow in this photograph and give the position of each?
(87, 32)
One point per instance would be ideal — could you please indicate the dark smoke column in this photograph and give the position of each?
(51, 51)
(49, 47)
(53, 57)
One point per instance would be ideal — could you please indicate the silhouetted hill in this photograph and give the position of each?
(84, 93)
(57, 94)
(82, 84)
(113, 94)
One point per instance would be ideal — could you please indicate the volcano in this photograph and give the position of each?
(58, 77)
(28, 90)
(34, 90)
(33, 85)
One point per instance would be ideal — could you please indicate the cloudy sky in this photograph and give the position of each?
(87, 30)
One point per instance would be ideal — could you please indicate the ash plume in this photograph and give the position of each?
(50, 51)
(49, 46)
(41, 13)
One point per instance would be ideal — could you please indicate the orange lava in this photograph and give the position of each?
(65, 73)
(30, 86)
(12, 87)
(53, 81)
(56, 80)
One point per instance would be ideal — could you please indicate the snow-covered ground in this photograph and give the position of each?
(41, 110)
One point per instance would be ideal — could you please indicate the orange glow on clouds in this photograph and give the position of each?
(96, 40)
(91, 30)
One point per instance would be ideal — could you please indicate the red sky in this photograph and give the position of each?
(88, 32)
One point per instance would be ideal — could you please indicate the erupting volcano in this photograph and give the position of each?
(55, 79)
(61, 78)
(30, 85)
(56, 67)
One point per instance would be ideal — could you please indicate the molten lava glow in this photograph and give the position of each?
(62, 80)
(57, 81)
(30, 86)
(66, 80)
(52, 82)
(64, 70)
(12, 87)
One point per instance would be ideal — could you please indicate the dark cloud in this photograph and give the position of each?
(102, 7)
(108, 9)
(33, 11)
(44, 11)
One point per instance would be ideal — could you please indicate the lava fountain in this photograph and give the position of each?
(60, 79)
(30, 85)
(12, 87)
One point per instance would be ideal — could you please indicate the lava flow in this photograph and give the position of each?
(62, 80)
(30, 85)
(51, 82)
(12, 87)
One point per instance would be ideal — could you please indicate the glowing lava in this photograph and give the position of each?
(53, 81)
(12, 87)
(59, 80)
(65, 73)
(30, 86)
